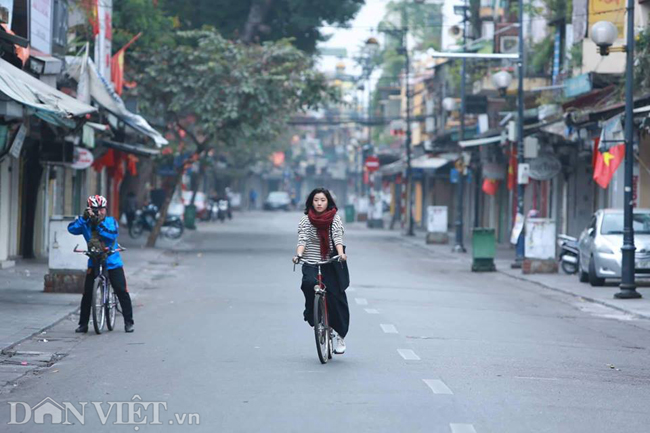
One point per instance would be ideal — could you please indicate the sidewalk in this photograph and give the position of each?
(25, 309)
(560, 282)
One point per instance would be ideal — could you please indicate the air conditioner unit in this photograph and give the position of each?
(509, 44)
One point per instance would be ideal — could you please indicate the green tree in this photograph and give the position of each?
(265, 20)
(225, 96)
(131, 17)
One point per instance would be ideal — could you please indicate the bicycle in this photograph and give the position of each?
(104, 300)
(322, 331)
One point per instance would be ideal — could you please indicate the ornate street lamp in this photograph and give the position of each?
(502, 80)
(604, 34)
(449, 104)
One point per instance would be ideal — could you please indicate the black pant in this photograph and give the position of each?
(118, 283)
(337, 302)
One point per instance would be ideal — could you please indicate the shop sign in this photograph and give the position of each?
(83, 158)
(544, 167)
(437, 219)
(578, 85)
(17, 145)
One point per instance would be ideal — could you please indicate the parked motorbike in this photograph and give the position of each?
(211, 211)
(223, 210)
(145, 219)
(569, 254)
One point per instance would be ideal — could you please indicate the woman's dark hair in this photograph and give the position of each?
(309, 204)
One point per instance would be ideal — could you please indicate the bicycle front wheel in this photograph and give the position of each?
(321, 328)
(99, 312)
(111, 308)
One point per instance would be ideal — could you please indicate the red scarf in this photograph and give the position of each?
(323, 222)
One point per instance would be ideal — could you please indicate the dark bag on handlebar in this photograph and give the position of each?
(340, 268)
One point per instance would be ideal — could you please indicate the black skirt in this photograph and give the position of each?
(337, 301)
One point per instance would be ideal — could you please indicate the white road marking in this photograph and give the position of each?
(389, 329)
(462, 428)
(361, 301)
(438, 386)
(408, 354)
(371, 311)
(537, 378)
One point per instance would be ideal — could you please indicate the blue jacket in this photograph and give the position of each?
(107, 230)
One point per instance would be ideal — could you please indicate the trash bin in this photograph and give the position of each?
(349, 213)
(483, 250)
(190, 216)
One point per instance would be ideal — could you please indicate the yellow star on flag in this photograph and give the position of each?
(607, 157)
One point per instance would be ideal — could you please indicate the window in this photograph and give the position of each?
(613, 224)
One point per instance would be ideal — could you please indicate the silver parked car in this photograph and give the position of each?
(600, 246)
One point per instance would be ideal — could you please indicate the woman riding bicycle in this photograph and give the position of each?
(320, 235)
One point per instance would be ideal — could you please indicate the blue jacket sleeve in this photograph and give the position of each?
(108, 229)
(76, 226)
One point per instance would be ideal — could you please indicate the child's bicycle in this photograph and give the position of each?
(104, 302)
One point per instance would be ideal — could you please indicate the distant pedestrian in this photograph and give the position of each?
(320, 236)
(252, 199)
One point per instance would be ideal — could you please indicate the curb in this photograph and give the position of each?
(575, 295)
(409, 242)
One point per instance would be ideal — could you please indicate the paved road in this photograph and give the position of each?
(432, 347)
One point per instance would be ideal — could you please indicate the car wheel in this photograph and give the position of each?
(594, 280)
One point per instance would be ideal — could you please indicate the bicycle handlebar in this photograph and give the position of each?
(106, 250)
(336, 258)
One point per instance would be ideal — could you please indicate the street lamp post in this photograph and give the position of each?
(371, 48)
(460, 186)
(604, 33)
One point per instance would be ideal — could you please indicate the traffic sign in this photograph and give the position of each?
(372, 163)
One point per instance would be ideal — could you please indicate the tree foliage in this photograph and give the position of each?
(264, 20)
(229, 90)
(131, 17)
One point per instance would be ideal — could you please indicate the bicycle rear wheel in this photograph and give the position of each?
(98, 310)
(321, 328)
(111, 308)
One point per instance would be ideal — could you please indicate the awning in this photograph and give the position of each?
(426, 162)
(46, 102)
(103, 93)
(393, 168)
(480, 141)
(135, 149)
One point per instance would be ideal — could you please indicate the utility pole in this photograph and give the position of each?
(409, 169)
(520, 133)
(460, 186)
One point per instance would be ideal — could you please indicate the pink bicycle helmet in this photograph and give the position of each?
(96, 201)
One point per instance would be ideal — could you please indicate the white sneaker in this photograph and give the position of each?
(340, 345)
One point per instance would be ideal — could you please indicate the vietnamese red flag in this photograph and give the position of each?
(490, 186)
(117, 65)
(512, 170)
(606, 164)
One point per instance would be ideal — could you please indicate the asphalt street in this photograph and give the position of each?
(432, 347)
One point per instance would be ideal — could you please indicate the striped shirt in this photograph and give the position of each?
(308, 237)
